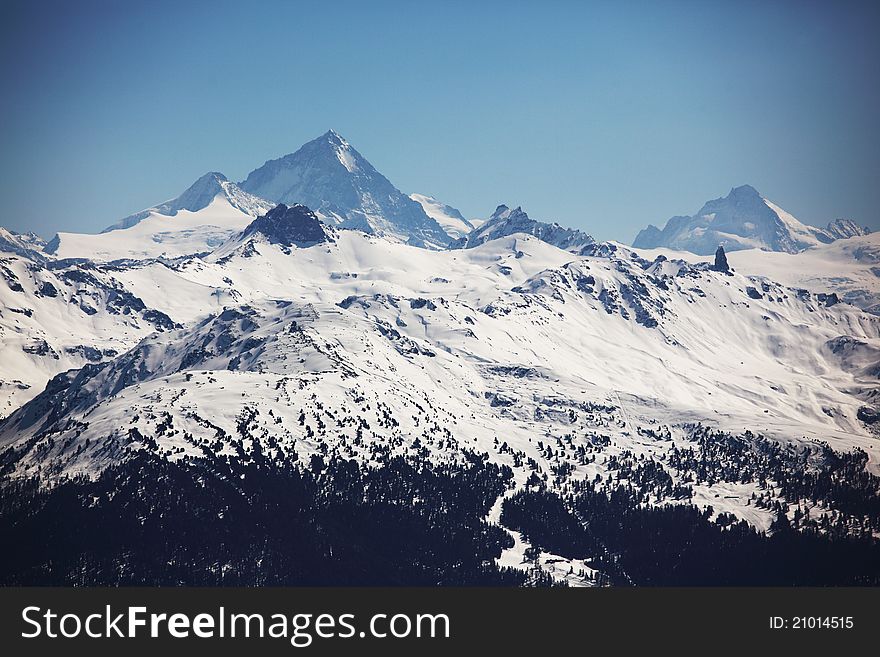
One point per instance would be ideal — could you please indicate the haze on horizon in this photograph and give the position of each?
(598, 115)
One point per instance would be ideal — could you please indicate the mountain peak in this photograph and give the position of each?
(296, 225)
(503, 212)
(27, 245)
(202, 191)
(505, 221)
(846, 228)
(744, 191)
(741, 220)
(328, 175)
(197, 197)
(338, 144)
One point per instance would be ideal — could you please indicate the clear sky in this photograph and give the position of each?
(604, 116)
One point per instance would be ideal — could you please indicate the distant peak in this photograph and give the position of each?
(845, 228)
(503, 212)
(744, 191)
(330, 145)
(196, 197)
(288, 226)
(500, 210)
(334, 137)
(209, 181)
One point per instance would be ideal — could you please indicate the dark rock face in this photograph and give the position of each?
(829, 299)
(721, 260)
(85, 351)
(415, 304)
(48, 290)
(39, 348)
(868, 415)
(753, 293)
(288, 226)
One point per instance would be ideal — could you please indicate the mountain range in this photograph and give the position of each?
(343, 327)
(505, 221)
(742, 220)
(423, 323)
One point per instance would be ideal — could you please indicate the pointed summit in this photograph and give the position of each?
(744, 191)
(330, 176)
(204, 216)
(201, 192)
(288, 226)
(27, 246)
(198, 196)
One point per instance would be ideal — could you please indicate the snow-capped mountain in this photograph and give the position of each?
(197, 197)
(741, 220)
(841, 229)
(506, 221)
(295, 226)
(452, 221)
(518, 338)
(288, 226)
(209, 212)
(29, 245)
(299, 341)
(61, 315)
(848, 267)
(328, 175)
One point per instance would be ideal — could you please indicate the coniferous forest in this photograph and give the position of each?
(149, 521)
(225, 521)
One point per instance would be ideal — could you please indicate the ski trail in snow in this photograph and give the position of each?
(559, 568)
(623, 412)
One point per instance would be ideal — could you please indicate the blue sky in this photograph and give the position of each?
(603, 116)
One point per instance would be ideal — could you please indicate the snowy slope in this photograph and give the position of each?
(360, 343)
(447, 216)
(331, 177)
(197, 197)
(57, 316)
(206, 215)
(847, 267)
(741, 220)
